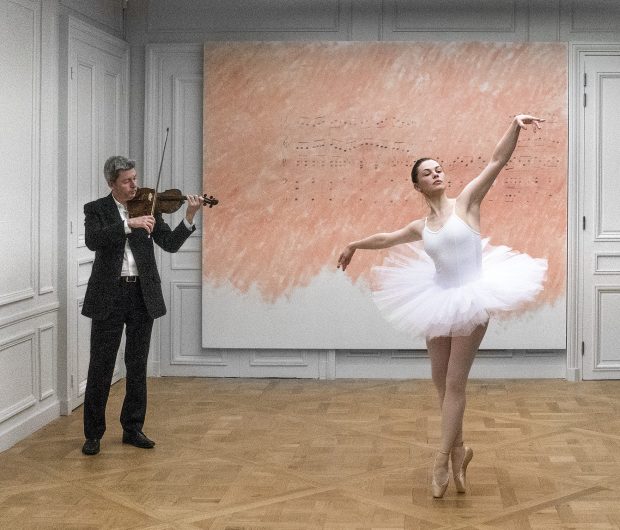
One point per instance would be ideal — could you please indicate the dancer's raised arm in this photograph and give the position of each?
(476, 190)
(411, 232)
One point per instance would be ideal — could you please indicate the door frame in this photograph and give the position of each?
(80, 32)
(576, 116)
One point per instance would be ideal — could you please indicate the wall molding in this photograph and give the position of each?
(96, 38)
(17, 296)
(28, 314)
(29, 173)
(511, 27)
(575, 26)
(513, 24)
(113, 22)
(549, 364)
(47, 388)
(272, 358)
(176, 311)
(217, 26)
(48, 187)
(28, 400)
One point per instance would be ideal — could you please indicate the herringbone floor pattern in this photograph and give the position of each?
(349, 454)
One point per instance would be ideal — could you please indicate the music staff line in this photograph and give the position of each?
(517, 163)
(323, 121)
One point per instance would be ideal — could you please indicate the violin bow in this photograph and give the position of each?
(161, 165)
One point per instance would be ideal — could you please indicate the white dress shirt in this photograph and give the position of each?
(129, 264)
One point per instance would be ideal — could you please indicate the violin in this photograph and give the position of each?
(149, 201)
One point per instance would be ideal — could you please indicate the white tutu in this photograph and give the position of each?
(407, 295)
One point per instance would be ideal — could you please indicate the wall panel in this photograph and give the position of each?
(187, 357)
(17, 364)
(105, 12)
(590, 20)
(502, 20)
(246, 16)
(600, 16)
(28, 216)
(47, 361)
(20, 35)
(607, 337)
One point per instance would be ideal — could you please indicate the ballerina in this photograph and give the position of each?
(447, 291)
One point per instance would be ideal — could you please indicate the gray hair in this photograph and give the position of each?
(114, 165)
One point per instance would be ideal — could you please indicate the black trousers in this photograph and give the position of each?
(105, 338)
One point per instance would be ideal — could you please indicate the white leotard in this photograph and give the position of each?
(456, 250)
(451, 281)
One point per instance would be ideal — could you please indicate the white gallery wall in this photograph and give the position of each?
(33, 362)
(166, 40)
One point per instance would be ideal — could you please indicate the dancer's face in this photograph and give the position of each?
(431, 178)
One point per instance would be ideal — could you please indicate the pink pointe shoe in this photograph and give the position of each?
(439, 489)
(460, 474)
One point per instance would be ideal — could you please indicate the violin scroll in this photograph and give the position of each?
(210, 200)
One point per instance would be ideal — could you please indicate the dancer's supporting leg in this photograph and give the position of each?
(451, 361)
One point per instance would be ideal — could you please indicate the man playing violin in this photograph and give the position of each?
(124, 291)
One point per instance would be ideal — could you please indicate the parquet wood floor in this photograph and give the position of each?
(236, 454)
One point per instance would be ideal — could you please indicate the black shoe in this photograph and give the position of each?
(91, 446)
(137, 439)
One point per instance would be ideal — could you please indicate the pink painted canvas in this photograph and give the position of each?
(310, 145)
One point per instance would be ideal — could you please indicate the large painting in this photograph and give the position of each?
(310, 145)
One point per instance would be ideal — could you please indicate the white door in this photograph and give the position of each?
(97, 128)
(600, 224)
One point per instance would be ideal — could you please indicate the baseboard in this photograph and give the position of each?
(153, 369)
(33, 423)
(416, 365)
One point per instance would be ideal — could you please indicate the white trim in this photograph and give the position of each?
(44, 393)
(30, 313)
(513, 365)
(218, 28)
(574, 321)
(30, 425)
(30, 400)
(97, 38)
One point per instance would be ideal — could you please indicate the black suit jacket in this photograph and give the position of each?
(105, 235)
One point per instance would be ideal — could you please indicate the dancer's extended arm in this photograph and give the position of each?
(476, 190)
(407, 234)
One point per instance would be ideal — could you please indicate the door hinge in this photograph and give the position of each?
(71, 72)
(584, 222)
(583, 348)
(72, 383)
(585, 84)
(71, 227)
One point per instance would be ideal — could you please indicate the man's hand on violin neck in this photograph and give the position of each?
(145, 221)
(194, 203)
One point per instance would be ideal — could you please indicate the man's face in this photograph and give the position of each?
(125, 186)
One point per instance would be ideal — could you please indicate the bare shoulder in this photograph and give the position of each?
(417, 226)
(468, 211)
(414, 230)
